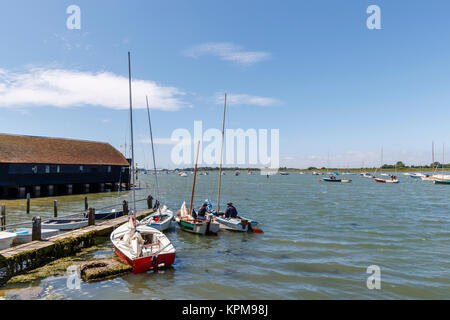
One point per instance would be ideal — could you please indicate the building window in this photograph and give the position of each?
(81, 168)
(109, 169)
(58, 169)
(47, 169)
(34, 169)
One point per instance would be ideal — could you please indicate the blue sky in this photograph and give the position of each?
(309, 68)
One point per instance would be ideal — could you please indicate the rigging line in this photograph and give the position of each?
(153, 150)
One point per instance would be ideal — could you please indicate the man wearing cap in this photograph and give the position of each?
(231, 211)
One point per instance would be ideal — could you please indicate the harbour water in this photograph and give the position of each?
(319, 239)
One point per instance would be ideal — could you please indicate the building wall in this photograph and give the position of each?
(50, 174)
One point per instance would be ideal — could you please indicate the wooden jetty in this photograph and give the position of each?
(31, 255)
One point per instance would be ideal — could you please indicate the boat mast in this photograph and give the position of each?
(221, 154)
(153, 150)
(195, 176)
(132, 143)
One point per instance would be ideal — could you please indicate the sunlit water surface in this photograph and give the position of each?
(319, 238)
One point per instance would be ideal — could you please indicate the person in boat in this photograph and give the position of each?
(332, 177)
(201, 214)
(231, 211)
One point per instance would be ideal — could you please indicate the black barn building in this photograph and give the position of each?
(48, 166)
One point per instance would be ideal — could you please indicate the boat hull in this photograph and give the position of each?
(67, 224)
(24, 235)
(331, 180)
(105, 215)
(442, 181)
(239, 225)
(146, 263)
(198, 227)
(385, 180)
(6, 239)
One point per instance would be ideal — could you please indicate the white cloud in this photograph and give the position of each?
(246, 99)
(228, 52)
(68, 88)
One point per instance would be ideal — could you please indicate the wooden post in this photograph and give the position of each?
(149, 201)
(85, 203)
(3, 217)
(91, 217)
(36, 229)
(125, 207)
(55, 208)
(28, 202)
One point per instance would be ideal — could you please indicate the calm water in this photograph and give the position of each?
(319, 240)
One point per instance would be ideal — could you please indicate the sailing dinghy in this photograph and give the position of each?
(160, 220)
(233, 224)
(142, 247)
(189, 224)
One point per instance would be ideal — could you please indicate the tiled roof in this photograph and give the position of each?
(28, 149)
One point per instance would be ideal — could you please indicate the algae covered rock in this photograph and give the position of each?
(103, 269)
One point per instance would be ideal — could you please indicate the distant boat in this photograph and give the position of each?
(237, 173)
(65, 223)
(6, 239)
(183, 174)
(442, 181)
(392, 180)
(417, 175)
(284, 173)
(315, 173)
(24, 235)
(346, 180)
(367, 175)
(331, 179)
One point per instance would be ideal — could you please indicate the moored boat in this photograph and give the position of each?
(105, 214)
(442, 181)
(24, 235)
(65, 223)
(6, 239)
(142, 247)
(161, 220)
(392, 180)
(190, 224)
